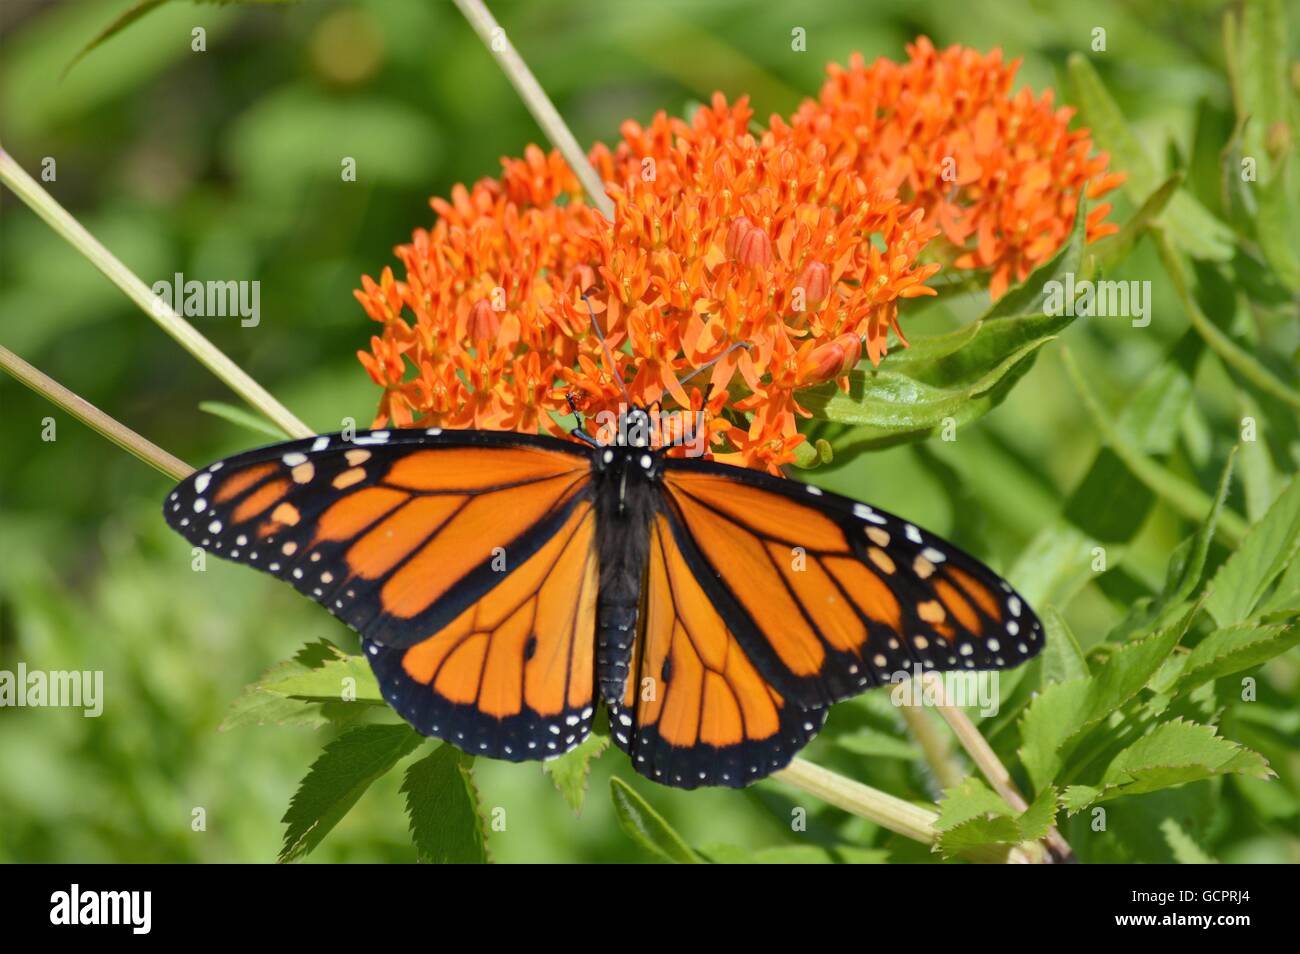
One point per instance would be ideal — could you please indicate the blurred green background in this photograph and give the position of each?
(225, 164)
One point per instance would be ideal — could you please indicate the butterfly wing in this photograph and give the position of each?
(695, 710)
(466, 560)
(827, 596)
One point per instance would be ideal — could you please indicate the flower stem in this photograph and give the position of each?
(93, 417)
(43, 204)
(538, 103)
(934, 746)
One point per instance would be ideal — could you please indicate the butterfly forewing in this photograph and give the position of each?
(464, 558)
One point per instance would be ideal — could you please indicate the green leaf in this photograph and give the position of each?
(1063, 660)
(1115, 248)
(245, 419)
(960, 377)
(647, 827)
(1030, 296)
(1174, 753)
(569, 771)
(972, 816)
(1233, 354)
(1035, 820)
(876, 744)
(1234, 649)
(259, 705)
(1186, 498)
(1062, 714)
(333, 681)
(141, 8)
(1198, 232)
(1186, 567)
(1268, 549)
(338, 777)
(442, 805)
(1185, 850)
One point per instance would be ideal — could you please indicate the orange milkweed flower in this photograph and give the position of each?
(999, 173)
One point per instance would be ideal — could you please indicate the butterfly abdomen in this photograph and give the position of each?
(625, 505)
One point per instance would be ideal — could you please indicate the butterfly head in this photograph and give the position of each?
(634, 428)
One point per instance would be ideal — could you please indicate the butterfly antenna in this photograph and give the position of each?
(609, 355)
(709, 364)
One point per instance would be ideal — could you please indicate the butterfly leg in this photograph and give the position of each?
(578, 431)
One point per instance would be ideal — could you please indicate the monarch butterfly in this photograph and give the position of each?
(503, 584)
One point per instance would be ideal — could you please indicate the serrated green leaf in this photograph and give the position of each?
(257, 705)
(1035, 820)
(1185, 850)
(1197, 231)
(978, 833)
(969, 800)
(1234, 649)
(338, 778)
(245, 419)
(332, 681)
(442, 806)
(647, 827)
(569, 771)
(1054, 715)
(1267, 550)
(1172, 754)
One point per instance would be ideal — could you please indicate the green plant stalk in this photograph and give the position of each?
(1188, 499)
(43, 204)
(934, 747)
(535, 98)
(93, 417)
(1227, 349)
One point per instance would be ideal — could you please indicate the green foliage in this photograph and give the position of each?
(345, 769)
(443, 806)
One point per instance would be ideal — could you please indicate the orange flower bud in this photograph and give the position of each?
(483, 322)
(815, 280)
(836, 357)
(754, 250)
(739, 226)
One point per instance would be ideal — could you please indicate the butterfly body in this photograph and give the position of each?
(505, 584)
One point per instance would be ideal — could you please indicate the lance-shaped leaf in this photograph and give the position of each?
(346, 679)
(1268, 549)
(1174, 753)
(1235, 649)
(884, 407)
(569, 771)
(647, 827)
(260, 704)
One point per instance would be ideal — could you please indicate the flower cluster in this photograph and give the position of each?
(774, 258)
(999, 173)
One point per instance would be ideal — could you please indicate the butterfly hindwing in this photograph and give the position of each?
(695, 709)
(464, 558)
(830, 597)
